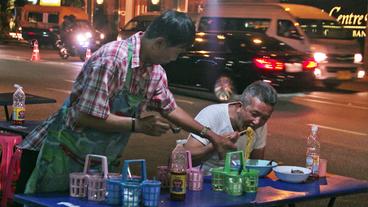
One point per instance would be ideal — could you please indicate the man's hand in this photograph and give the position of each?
(225, 143)
(152, 125)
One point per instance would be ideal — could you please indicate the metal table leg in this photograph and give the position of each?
(331, 202)
(6, 113)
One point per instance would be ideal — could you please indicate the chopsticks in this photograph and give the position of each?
(242, 132)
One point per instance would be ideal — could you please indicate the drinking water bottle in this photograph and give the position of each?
(19, 99)
(313, 150)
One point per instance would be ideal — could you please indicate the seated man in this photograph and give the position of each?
(250, 113)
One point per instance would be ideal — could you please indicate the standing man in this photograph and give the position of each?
(250, 113)
(118, 82)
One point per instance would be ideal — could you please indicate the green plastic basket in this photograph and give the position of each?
(217, 180)
(233, 173)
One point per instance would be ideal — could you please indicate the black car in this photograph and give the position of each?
(138, 23)
(43, 36)
(225, 63)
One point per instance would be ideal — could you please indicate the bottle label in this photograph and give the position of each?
(309, 162)
(19, 113)
(178, 183)
(315, 164)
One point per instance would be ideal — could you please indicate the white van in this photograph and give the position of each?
(304, 28)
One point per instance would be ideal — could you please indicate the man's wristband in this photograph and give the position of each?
(205, 131)
(133, 124)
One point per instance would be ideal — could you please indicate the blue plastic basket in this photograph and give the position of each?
(131, 186)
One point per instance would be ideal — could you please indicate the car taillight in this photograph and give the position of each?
(310, 64)
(268, 64)
(30, 33)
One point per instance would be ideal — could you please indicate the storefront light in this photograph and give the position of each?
(358, 58)
(155, 2)
(99, 1)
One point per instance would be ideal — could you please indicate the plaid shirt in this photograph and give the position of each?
(101, 78)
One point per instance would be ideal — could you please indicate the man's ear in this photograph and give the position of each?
(159, 43)
(239, 105)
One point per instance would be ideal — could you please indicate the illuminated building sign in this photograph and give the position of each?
(356, 22)
(50, 2)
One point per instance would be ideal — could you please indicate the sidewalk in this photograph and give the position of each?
(5, 38)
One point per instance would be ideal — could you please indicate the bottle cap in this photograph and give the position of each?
(17, 86)
(314, 128)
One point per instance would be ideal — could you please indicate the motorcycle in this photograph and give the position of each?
(78, 41)
(77, 47)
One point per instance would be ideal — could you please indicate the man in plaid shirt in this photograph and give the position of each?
(119, 81)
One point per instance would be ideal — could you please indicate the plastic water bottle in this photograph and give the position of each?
(178, 174)
(313, 149)
(19, 99)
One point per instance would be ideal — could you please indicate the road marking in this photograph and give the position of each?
(341, 130)
(349, 105)
(70, 81)
(59, 90)
(184, 101)
(287, 95)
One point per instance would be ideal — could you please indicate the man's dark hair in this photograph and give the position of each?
(176, 27)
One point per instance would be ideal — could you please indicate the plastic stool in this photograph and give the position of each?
(12, 176)
(7, 142)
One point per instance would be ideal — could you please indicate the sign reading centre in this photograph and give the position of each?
(50, 2)
(356, 22)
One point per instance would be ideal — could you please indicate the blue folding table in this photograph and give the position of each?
(271, 191)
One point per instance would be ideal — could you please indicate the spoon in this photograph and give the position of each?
(270, 163)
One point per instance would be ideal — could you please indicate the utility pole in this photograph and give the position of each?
(365, 58)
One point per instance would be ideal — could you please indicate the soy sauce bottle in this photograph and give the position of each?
(178, 174)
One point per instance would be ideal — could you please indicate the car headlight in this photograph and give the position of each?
(88, 34)
(81, 38)
(361, 74)
(358, 58)
(319, 56)
(102, 36)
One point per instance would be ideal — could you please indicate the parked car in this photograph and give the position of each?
(138, 23)
(225, 63)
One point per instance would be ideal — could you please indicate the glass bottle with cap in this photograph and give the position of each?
(178, 174)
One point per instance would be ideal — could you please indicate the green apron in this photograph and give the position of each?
(64, 150)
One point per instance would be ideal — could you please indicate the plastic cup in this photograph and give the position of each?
(163, 176)
(217, 180)
(78, 184)
(322, 168)
(233, 183)
(151, 192)
(113, 191)
(96, 188)
(195, 179)
(250, 181)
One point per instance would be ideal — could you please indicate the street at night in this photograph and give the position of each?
(341, 114)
